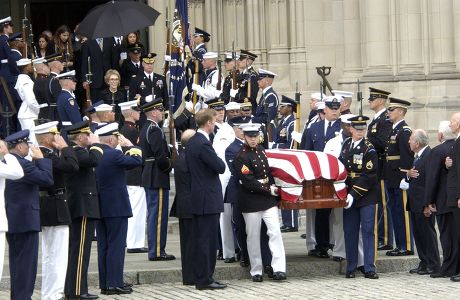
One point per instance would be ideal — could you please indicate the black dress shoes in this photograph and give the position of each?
(361, 269)
(118, 290)
(138, 250)
(393, 252)
(269, 271)
(84, 296)
(229, 260)
(438, 275)
(163, 257)
(244, 263)
(303, 236)
(415, 270)
(350, 274)
(455, 278)
(425, 271)
(337, 258)
(213, 286)
(288, 229)
(279, 276)
(321, 253)
(220, 255)
(371, 275)
(384, 247)
(405, 253)
(257, 278)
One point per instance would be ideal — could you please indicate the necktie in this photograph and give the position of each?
(329, 127)
(99, 42)
(416, 158)
(137, 66)
(150, 78)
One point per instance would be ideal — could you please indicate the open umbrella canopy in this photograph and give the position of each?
(117, 18)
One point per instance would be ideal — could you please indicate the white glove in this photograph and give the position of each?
(233, 93)
(166, 123)
(274, 190)
(349, 201)
(296, 136)
(189, 105)
(404, 185)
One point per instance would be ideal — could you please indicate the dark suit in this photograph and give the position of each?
(101, 61)
(360, 162)
(23, 213)
(84, 210)
(436, 193)
(115, 211)
(398, 156)
(128, 71)
(181, 209)
(248, 87)
(315, 140)
(453, 194)
(378, 132)
(205, 167)
(425, 236)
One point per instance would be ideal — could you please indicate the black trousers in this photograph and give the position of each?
(186, 250)
(322, 228)
(425, 240)
(456, 214)
(205, 229)
(81, 234)
(23, 259)
(449, 243)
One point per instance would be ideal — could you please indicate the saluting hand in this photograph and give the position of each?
(93, 139)
(124, 142)
(36, 153)
(3, 148)
(59, 142)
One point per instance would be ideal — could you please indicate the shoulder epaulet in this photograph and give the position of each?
(407, 128)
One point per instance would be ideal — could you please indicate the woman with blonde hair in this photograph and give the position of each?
(112, 95)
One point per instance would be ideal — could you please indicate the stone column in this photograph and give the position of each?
(377, 37)
(352, 41)
(442, 37)
(157, 33)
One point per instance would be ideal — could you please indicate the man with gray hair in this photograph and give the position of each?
(436, 199)
(423, 226)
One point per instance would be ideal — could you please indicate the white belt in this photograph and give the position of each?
(43, 105)
(4, 61)
(66, 123)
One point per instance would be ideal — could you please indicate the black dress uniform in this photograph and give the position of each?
(84, 211)
(360, 160)
(23, 213)
(46, 91)
(186, 120)
(248, 87)
(198, 53)
(155, 180)
(399, 157)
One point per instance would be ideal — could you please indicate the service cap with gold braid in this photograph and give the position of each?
(149, 58)
(394, 102)
(80, 127)
(154, 104)
(48, 127)
(376, 93)
(359, 122)
(246, 105)
(216, 103)
(54, 57)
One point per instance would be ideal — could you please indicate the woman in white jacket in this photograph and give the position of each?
(9, 169)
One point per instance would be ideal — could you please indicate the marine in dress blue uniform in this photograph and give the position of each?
(283, 139)
(360, 160)
(155, 179)
(67, 106)
(115, 209)
(378, 132)
(23, 214)
(315, 139)
(398, 159)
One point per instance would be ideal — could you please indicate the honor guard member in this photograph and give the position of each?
(135, 239)
(232, 110)
(132, 66)
(91, 113)
(23, 213)
(246, 109)
(283, 139)
(346, 102)
(67, 106)
(54, 210)
(208, 89)
(84, 208)
(360, 160)
(9, 169)
(49, 88)
(258, 201)
(186, 120)
(195, 71)
(316, 138)
(247, 80)
(378, 132)
(155, 179)
(105, 113)
(267, 109)
(230, 66)
(6, 29)
(111, 229)
(398, 159)
(28, 112)
(146, 82)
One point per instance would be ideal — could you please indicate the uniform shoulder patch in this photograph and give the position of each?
(244, 170)
(369, 165)
(71, 102)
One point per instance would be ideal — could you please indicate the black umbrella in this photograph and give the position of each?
(117, 18)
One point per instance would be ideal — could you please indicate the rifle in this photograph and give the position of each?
(168, 46)
(294, 144)
(267, 122)
(33, 49)
(248, 95)
(25, 23)
(359, 95)
(219, 70)
(234, 71)
(323, 72)
(88, 76)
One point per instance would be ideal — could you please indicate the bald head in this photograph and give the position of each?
(186, 136)
(455, 123)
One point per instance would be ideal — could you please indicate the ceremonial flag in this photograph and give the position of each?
(178, 42)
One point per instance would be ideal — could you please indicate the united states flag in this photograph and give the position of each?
(291, 167)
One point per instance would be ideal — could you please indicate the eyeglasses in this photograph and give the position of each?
(391, 108)
(114, 79)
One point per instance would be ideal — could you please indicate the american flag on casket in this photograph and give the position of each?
(291, 167)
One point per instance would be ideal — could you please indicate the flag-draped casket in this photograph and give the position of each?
(308, 179)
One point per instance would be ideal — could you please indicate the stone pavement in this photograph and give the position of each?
(400, 285)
